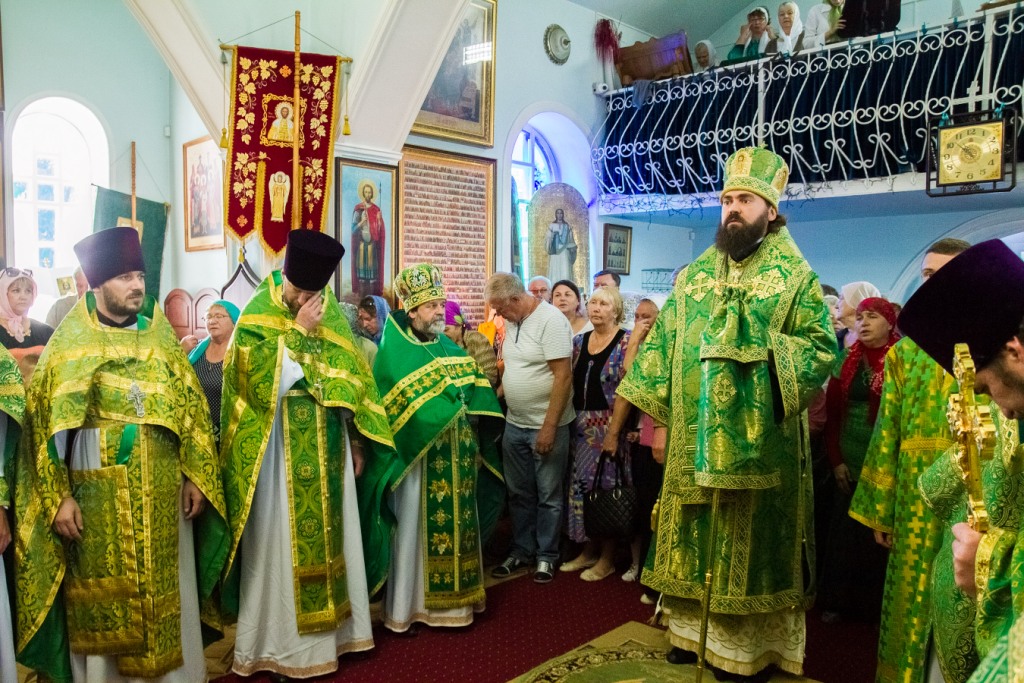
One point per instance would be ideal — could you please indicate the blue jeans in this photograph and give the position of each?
(536, 496)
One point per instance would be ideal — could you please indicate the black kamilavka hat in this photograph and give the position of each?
(976, 299)
(109, 253)
(310, 259)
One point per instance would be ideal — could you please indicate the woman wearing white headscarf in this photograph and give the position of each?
(24, 337)
(707, 56)
(791, 31)
(850, 297)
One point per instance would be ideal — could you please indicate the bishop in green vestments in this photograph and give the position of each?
(298, 412)
(120, 507)
(739, 350)
(446, 420)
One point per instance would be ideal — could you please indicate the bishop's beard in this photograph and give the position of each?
(740, 240)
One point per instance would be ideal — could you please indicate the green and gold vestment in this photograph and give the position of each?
(431, 390)
(964, 629)
(118, 585)
(910, 433)
(337, 385)
(734, 358)
(12, 402)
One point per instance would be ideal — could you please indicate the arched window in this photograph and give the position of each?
(59, 151)
(533, 167)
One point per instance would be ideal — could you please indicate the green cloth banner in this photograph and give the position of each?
(114, 209)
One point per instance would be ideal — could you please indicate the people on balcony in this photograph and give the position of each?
(754, 37)
(707, 56)
(824, 22)
(790, 37)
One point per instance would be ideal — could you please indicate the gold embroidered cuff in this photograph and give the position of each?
(983, 559)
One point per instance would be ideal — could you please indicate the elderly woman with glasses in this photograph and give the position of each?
(754, 37)
(207, 358)
(21, 335)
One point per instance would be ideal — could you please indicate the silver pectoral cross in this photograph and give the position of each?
(137, 396)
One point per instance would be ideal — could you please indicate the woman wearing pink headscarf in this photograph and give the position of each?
(456, 327)
(24, 337)
(851, 402)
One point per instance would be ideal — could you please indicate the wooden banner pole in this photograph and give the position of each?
(297, 115)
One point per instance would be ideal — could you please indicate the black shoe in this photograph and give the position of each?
(507, 568)
(680, 656)
(545, 572)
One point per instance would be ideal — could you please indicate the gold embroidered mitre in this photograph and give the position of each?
(757, 170)
(419, 284)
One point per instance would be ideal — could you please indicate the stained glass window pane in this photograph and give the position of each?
(46, 166)
(47, 221)
(44, 192)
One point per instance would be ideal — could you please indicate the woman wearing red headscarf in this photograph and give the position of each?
(853, 562)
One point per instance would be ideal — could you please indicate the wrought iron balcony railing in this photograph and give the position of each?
(856, 111)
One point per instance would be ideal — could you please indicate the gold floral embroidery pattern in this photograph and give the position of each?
(440, 490)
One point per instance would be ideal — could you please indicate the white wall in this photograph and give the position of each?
(96, 54)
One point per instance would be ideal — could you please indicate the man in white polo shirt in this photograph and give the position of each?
(538, 385)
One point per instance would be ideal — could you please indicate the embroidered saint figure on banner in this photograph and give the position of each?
(265, 121)
(280, 184)
(282, 128)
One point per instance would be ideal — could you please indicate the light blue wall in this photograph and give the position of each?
(94, 52)
(654, 246)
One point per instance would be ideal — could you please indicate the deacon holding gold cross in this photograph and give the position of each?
(978, 300)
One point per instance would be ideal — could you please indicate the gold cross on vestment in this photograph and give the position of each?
(700, 287)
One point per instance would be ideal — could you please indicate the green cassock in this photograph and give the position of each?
(337, 384)
(735, 356)
(433, 393)
(116, 591)
(964, 629)
(910, 433)
(1000, 574)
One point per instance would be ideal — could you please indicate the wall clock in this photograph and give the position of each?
(557, 44)
(970, 154)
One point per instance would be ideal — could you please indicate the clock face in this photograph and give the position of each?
(971, 153)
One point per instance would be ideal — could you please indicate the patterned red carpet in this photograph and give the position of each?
(527, 624)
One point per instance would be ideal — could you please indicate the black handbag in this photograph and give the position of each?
(609, 513)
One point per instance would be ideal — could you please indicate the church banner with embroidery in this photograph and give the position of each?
(264, 122)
